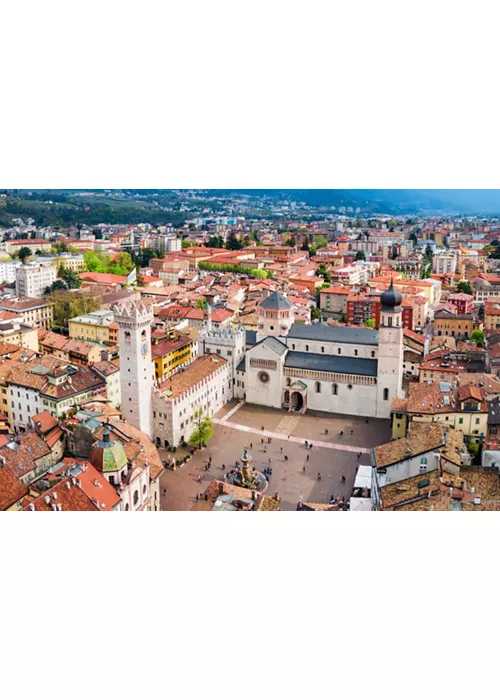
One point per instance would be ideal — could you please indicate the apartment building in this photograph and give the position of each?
(94, 327)
(33, 312)
(33, 279)
(34, 244)
(8, 270)
(444, 263)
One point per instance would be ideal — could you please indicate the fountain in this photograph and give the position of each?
(246, 476)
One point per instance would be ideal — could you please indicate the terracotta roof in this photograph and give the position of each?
(102, 278)
(92, 483)
(11, 488)
(422, 439)
(45, 421)
(21, 454)
(198, 370)
(65, 496)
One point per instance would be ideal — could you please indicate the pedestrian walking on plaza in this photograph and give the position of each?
(265, 450)
(352, 432)
(281, 449)
(197, 498)
(164, 492)
(307, 444)
(359, 455)
(341, 433)
(304, 468)
(310, 445)
(270, 470)
(251, 445)
(343, 478)
(326, 431)
(262, 441)
(366, 420)
(269, 460)
(286, 458)
(307, 459)
(262, 428)
(319, 476)
(223, 467)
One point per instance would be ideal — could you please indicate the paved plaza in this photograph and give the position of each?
(240, 425)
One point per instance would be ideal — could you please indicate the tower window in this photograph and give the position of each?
(373, 353)
(386, 394)
(335, 389)
(127, 336)
(389, 320)
(355, 352)
(317, 387)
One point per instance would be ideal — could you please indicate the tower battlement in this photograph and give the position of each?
(130, 312)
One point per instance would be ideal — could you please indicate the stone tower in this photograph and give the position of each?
(229, 343)
(276, 315)
(136, 365)
(390, 352)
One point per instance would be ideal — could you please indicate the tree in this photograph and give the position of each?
(371, 323)
(233, 243)
(203, 430)
(121, 265)
(464, 286)
(215, 242)
(68, 304)
(360, 255)
(201, 303)
(318, 242)
(413, 237)
(428, 253)
(24, 253)
(259, 274)
(305, 245)
(477, 337)
(291, 242)
(187, 244)
(315, 313)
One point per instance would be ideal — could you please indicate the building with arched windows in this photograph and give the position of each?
(355, 371)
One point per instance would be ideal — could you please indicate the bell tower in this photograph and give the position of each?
(136, 365)
(390, 351)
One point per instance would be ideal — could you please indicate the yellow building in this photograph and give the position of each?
(171, 352)
(94, 327)
(463, 409)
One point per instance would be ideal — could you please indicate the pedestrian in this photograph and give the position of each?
(326, 431)
(286, 458)
(341, 433)
(366, 420)
(262, 441)
(206, 497)
(289, 437)
(304, 468)
(265, 450)
(281, 449)
(343, 479)
(270, 470)
(164, 492)
(307, 444)
(352, 432)
(223, 467)
(310, 445)
(307, 459)
(359, 455)
(269, 460)
(269, 441)
(262, 428)
(197, 498)
(251, 445)
(332, 499)
(319, 476)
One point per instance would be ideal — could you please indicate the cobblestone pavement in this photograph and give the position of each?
(288, 479)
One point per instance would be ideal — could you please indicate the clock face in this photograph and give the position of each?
(144, 350)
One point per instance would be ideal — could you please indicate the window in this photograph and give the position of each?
(335, 389)
(144, 489)
(307, 348)
(317, 387)
(339, 351)
(477, 421)
(288, 381)
(136, 497)
(389, 321)
(293, 346)
(126, 506)
(355, 353)
(386, 394)
(112, 480)
(127, 336)
(423, 464)
(322, 348)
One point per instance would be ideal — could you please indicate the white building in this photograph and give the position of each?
(444, 263)
(201, 388)
(355, 371)
(32, 279)
(8, 270)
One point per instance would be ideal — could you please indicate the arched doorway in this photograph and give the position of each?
(296, 401)
(287, 397)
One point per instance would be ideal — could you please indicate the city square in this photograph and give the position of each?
(273, 434)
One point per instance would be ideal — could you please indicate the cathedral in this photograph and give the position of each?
(296, 366)
(284, 364)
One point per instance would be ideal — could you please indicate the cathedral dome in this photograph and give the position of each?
(391, 299)
(107, 455)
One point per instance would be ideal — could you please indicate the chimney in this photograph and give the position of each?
(32, 506)
(68, 485)
(221, 488)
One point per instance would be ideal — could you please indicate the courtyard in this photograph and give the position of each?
(239, 425)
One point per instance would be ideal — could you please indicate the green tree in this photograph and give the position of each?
(464, 286)
(315, 313)
(24, 253)
(260, 274)
(233, 243)
(360, 255)
(203, 430)
(371, 323)
(318, 242)
(187, 244)
(215, 242)
(413, 237)
(121, 265)
(291, 242)
(68, 304)
(96, 261)
(477, 337)
(201, 303)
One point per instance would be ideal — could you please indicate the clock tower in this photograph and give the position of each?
(136, 365)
